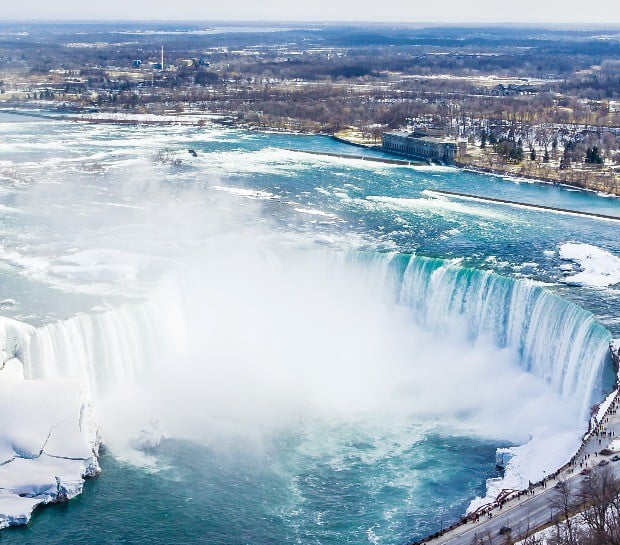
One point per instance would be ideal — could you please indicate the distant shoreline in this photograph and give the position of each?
(197, 119)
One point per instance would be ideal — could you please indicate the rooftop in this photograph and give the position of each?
(419, 136)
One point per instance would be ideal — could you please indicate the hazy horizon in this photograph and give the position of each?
(284, 23)
(606, 13)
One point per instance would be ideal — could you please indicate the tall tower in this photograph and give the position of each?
(162, 57)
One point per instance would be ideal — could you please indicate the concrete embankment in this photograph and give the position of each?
(524, 205)
(360, 157)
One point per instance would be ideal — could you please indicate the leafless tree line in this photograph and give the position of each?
(587, 513)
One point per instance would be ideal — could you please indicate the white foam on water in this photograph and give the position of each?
(314, 212)
(244, 192)
(435, 205)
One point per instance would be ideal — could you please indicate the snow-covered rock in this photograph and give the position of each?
(599, 268)
(615, 346)
(48, 440)
(149, 438)
(502, 457)
(13, 334)
(531, 462)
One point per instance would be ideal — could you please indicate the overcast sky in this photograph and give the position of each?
(546, 11)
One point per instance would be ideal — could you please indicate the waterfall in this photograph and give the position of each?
(556, 340)
(102, 349)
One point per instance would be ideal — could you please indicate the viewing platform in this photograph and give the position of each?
(521, 513)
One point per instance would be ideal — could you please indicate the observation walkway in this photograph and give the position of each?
(533, 509)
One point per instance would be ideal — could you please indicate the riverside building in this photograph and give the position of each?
(422, 143)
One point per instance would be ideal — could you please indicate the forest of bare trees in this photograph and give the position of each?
(547, 102)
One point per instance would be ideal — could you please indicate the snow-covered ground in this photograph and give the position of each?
(533, 461)
(599, 268)
(48, 439)
(191, 119)
(615, 346)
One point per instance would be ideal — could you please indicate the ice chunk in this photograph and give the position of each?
(48, 441)
(599, 268)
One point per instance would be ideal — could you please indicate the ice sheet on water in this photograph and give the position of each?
(599, 268)
(47, 436)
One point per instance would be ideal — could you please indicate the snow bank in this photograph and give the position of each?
(531, 462)
(12, 336)
(599, 268)
(615, 346)
(48, 440)
(603, 407)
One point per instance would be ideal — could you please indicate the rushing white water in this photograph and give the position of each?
(102, 349)
(555, 339)
(246, 347)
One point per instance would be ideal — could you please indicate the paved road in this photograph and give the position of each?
(530, 512)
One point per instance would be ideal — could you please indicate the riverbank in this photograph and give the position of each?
(591, 178)
(599, 183)
(526, 511)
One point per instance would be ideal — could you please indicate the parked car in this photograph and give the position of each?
(603, 462)
(585, 471)
(615, 458)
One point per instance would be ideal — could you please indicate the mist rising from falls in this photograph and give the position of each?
(265, 339)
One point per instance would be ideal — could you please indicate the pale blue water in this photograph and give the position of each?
(369, 489)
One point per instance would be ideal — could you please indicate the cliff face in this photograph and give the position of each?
(614, 346)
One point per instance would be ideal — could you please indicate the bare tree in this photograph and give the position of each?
(565, 501)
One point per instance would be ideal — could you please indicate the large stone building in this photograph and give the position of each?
(422, 143)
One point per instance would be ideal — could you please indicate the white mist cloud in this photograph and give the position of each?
(254, 332)
(255, 340)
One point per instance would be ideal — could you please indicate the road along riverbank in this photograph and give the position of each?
(526, 511)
